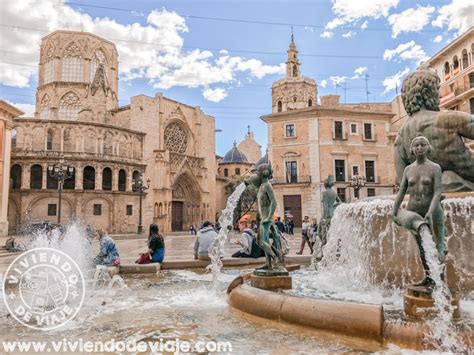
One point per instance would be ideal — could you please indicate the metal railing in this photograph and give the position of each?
(300, 179)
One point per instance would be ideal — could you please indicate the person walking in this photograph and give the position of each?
(305, 236)
(280, 225)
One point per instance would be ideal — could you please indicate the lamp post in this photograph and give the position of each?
(60, 171)
(357, 182)
(140, 187)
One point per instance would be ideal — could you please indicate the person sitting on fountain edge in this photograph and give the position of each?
(204, 239)
(156, 245)
(108, 253)
(248, 241)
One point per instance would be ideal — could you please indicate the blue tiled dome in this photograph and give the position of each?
(262, 160)
(234, 156)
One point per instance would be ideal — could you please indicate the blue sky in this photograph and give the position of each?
(191, 51)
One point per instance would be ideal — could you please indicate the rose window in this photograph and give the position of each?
(176, 140)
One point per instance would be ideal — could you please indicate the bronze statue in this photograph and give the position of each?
(445, 130)
(266, 209)
(330, 201)
(422, 181)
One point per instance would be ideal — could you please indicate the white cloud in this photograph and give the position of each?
(338, 80)
(326, 34)
(28, 109)
(348, 34)
(364, 25)
(438, 39)
(348, 11)
(360, 70)
(323, 83)
(309, 28)
(406, 51)
(456, 16)
(214, 95)
(410, 20)
(223, 51)
(159, 58)
(394, 81)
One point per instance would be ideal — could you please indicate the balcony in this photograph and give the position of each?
(301, 179)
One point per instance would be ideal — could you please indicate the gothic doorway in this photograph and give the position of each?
(177, 208)
(186, 203)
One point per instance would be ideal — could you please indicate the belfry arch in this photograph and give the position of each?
(186, 202)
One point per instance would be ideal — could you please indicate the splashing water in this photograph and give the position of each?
(216, 250)
(441, 329)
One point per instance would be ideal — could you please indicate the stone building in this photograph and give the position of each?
(307, 142)
(7, 114)
(78, 119)
(250, 148)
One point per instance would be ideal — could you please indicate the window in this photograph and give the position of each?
(289, 130)
(45, 112)
(370, 170)
(51, 182)
(107, 179)
(70, 184)
(52, 207)
(69, 107)
(130, 209)
(226, 172)
(340, 170)
(135, 177)
(122, 180)
(471, 80)
(36, 177)
(14, 138)
(310, 103)
(355, 170)
(471, 103)
(338, 130)
(49, 141)
(370, 192)
(295, 71)
(446, 68)
(465, 60)
(88, 182)
(368, 131)
(291, 172)
(279, 106)
(455, 65)
(237, 171)
(15, 177)
(341, 192)
(353, 128)
(72, 68)
(97, 209)
(48, 72)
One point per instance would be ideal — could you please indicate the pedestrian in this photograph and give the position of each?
(204, 239)
(291, 227)
(192, 230)
(108, 254)
(305, 236)
(280, 225)
(313, 232)
(248, 241)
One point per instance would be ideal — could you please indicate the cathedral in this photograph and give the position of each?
(167, 145)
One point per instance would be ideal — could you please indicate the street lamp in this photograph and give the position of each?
(357, 182)
(60, 171)
(140, 187)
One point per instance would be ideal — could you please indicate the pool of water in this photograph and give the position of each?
(179, 304)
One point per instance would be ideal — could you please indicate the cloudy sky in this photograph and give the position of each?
(224, 55)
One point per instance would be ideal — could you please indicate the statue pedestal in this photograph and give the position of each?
(418, 303)
(271, 282)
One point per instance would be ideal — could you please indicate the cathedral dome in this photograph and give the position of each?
(234, 156)
(263, 160)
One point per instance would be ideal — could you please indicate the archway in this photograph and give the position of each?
(186, 203)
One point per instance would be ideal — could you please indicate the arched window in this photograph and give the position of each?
(51, 182)
(36, 177)
(88, 182)
(15, 177)
(69, 107)
(72, 68)
(465, 59)
(13, 138)
(279, 106)
(99, 58)
(155, 210)
(70, 184)
(49, 141)
(455, 65)
(295, 98)
(295, 71)
(69, 140)
(135, 177)
(160, 209)
(45, 111)
(446, 68)
(107, 179)
(108, 144)
(122, 180)
(310, 103)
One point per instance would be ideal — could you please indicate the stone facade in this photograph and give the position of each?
(7, 114)
(307, 143)
(250, 147)
(78, 119)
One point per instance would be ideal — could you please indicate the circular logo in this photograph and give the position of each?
(43, 288)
